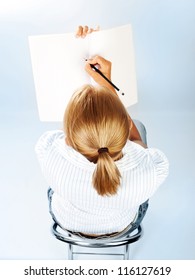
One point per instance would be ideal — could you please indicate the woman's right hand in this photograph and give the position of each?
(103, 65)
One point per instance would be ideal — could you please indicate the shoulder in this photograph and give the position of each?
(137, 150)
(48, 137)
(160, 162)
(52, 146)
(135, 155)
(47, 140)
(150, 163)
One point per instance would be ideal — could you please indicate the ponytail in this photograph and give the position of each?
(106, 177)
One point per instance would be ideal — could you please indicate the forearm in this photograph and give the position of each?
(111, 88)
(134, 134)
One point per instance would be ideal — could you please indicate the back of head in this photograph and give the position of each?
(96, 118)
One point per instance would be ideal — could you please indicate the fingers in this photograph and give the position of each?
(89, 70)
(96, 76)
(78, 32)
(101, 63)
(99, 60)
(83, 31)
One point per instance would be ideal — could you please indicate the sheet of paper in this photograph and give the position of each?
(58, 66)
(58, 69)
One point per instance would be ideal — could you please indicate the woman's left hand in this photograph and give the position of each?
(83, 31)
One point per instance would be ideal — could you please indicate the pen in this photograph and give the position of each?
(99, 72)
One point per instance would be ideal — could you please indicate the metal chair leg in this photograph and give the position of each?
(126, 252)
(70, 252)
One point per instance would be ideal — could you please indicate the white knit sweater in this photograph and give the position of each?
(76, 204)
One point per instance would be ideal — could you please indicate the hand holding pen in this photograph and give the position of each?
(97, 67)
(100, 70)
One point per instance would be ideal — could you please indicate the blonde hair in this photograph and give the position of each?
(96, 118)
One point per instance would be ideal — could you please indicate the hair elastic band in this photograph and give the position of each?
(103, 150)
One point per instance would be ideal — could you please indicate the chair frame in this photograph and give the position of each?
(123, 238)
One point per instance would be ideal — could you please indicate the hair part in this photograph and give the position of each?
(96, 118)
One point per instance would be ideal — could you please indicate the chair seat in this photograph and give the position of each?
(124, 238)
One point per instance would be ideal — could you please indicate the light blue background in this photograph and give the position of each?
(164, 39)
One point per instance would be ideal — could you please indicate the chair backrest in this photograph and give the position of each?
(130, 234)
(122, 238)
